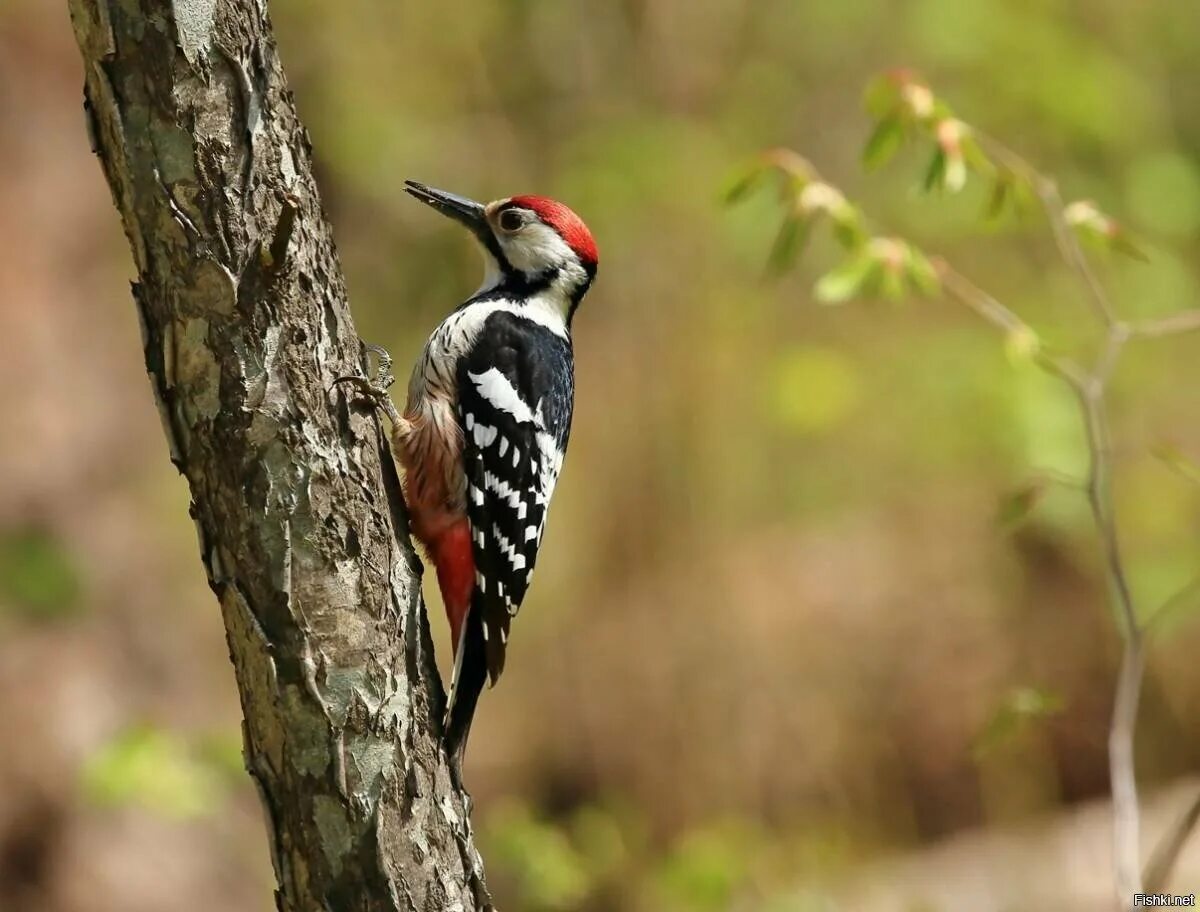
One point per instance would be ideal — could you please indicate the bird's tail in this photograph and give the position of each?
(470, 673)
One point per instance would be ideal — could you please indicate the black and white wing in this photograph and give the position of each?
(516, 389)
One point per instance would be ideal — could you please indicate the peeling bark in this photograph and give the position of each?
(245, 324)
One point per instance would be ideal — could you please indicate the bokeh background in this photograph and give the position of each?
(782, 653)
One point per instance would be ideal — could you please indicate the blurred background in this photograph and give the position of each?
(784, 653)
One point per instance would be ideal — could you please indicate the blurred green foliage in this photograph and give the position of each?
(706, 868)
(39, 578)
(601, 857)
(1163, 186)
(787, 389)
(1021, 707)
(161, 771)
(550, 871)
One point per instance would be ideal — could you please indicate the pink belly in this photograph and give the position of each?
(434, 490)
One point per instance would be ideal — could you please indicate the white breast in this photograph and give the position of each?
(434, 375)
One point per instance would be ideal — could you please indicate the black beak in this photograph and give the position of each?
(464, 211)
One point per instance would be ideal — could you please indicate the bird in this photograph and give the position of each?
(485, 427)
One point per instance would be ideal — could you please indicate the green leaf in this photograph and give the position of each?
(1020, 708)
(1120, 242)
(935, 174)
(1022, 195)
(891, 282)
(999, 196)
(848, 227)
(1017, 505)
(974, 155)
(1094, 225)
(882, 95)
(741, 183)
(788, 243)
(884, 143)
(846, 280)
(921, 272)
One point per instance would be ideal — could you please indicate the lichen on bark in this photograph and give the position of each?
(301, 525)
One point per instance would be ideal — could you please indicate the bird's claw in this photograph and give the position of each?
(383, 370)
(375, 388)
(366, 388)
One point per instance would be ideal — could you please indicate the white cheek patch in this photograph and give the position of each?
(536, 248)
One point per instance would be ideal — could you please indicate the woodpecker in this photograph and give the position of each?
(485, 427)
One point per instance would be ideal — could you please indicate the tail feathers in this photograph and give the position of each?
(470, 674)
(496, 641)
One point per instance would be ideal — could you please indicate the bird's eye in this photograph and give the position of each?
(511, 220)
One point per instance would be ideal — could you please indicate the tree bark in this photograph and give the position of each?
(295, 497)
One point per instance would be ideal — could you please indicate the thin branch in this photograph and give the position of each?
(1123, 774)
(1071, 250)
(1176, 324)
(1069, 247)
(1122, 769)
(1006, 320)
(984, 304)
(1122, 731)
(1114, 344)
(1099, 490)
(1181, 466)
(1166, 853)
(1090, 389)
(1062, 479)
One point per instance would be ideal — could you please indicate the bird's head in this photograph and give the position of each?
(532, 244)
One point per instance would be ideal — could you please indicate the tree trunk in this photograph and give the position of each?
(296, 500)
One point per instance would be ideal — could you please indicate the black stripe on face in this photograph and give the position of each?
(515, 285)
(581, 290)
(488, 239)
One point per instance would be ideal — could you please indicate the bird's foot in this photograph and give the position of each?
(375, 388)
